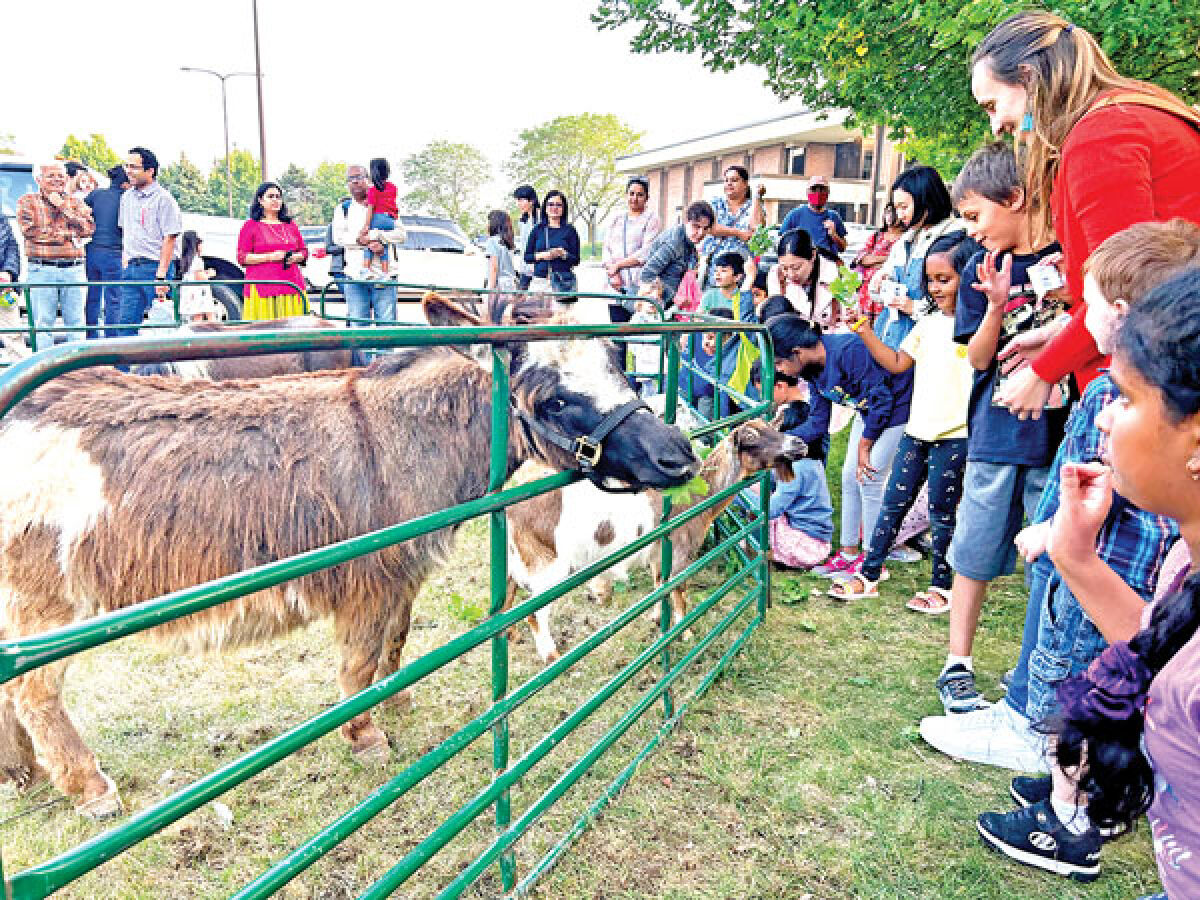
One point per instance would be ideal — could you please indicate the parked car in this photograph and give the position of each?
(435, 253)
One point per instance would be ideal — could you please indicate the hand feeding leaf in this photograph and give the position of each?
(681, 494)
(760, 241)
(845, 287)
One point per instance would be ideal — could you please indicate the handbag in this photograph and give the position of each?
(560, 282)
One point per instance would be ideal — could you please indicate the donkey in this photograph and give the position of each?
(120, 488)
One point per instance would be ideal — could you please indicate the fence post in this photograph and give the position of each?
(498, 527)
(664, 613)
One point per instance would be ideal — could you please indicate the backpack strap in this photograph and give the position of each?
(1179, 110)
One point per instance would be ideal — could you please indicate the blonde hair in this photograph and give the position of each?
(1064, 70)
(1131, 263)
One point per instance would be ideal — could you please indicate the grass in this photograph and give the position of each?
(800, 774)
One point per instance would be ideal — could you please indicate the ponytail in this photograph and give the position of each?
(1102, 714)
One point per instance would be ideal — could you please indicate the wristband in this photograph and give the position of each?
(858, 325)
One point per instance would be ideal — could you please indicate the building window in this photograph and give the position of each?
(868, 163)
(847, 161)
(796, 161)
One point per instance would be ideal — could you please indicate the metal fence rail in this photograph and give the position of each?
(750, 581)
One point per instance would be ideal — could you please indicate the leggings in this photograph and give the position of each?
(942, 463)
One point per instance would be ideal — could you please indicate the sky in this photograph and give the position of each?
(350, 80)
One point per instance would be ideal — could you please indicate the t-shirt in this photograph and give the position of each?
(714, 298)
(1171, 739)
(383, 201)
(814, 223)
(994, 434)
(942, 380)
(504, 259)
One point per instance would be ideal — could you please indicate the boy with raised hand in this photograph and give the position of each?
(1007, 458)
(1119, 565)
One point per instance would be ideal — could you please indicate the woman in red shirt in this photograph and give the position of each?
(270, 247)
(1101, 152)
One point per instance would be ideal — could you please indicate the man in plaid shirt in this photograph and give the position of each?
(55, 226)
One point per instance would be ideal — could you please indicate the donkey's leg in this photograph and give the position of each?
(361, 628)
(37, 698)
(392, 653)
(18, 762)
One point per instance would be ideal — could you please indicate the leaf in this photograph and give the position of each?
(681, 494)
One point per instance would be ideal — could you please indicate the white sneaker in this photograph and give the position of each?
(996, 736)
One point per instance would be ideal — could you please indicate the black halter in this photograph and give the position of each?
(587, 449)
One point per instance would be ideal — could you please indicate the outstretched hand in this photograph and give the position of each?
(1086, 495)
(994, 282)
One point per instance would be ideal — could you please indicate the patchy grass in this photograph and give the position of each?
(799, 775)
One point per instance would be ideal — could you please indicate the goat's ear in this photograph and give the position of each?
(780, 415)
(441, 311)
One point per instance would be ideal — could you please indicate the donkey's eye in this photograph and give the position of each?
(555, 405)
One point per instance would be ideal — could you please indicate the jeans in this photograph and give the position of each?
(942, 462)
(136, 298)
(368, 301)
(1038, 573)
(379, 222)
(64, 291)
(861, 501)
(103, 305)
(1066, 644)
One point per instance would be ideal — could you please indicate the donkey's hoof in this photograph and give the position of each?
(104, 806)
(371, 749)
(400, 702)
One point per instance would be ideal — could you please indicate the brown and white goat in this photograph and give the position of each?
(119, 488)
(552, 536)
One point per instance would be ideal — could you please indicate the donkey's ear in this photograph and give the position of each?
(442, 311)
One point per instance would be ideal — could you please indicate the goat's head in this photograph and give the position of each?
(759, 446)
(564, 391)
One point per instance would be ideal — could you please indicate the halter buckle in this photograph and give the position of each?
(587, 451)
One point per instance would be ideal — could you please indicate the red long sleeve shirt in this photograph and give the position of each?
(1121, 164)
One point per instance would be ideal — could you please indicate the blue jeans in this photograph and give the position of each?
(103, 264)
(1036, 575)
(368, 301)
(65, 291)
(861, 501)
(942, 462)
(136, 298)
(379, 222)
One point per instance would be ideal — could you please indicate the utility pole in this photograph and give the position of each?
(262, 125)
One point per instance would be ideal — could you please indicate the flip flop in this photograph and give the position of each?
(870, 589)
(926, 602)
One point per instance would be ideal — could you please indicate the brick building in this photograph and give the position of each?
(782, 153)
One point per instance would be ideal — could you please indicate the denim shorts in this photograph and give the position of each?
(996, 499)
(1067, 642)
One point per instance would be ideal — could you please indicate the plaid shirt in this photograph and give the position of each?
(1132, 542)
(54, 233)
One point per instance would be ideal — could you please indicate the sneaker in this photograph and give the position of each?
(1035, 837)
(839, 566)
(956, 686)
(995, 736)
(903, 554)
(1030, 789)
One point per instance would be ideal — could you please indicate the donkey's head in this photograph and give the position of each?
(574, 409)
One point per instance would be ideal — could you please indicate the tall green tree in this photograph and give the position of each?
(246, 173)
(95, 153)
(445, 179)
(300, 195)
(328, 182)
(578, 156)
(189, 186)
(898, 63)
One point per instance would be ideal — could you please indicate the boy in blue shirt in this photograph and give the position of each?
(1007, 458)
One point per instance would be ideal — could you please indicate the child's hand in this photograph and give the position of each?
(1031, 541)
(994, 283)
(1086, 497)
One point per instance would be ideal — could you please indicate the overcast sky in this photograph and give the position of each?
(347, 80)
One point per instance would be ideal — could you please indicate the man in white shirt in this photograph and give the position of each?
(365, 301)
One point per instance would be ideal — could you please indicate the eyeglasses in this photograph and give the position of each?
(350, 178)
(130, 167)
(272, 196)
(554, 204)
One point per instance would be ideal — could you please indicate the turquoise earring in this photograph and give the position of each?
(1027, 122)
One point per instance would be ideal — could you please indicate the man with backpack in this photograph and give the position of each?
(365, 301)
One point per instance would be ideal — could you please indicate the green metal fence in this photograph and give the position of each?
(743, 542)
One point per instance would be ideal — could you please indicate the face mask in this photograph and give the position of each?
(1026, 123)
(816, 198)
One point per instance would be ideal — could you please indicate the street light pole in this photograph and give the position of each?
(262, 125)
(223, 77)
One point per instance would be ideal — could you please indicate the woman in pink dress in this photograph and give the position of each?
(270, 247)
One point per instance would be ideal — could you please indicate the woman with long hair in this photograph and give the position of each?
(803, 275)
(874, 254)
(271, 247)
(553, 248)
(502, 276)
(531, 212)
(1100, 151)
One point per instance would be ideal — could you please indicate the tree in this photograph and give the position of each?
(898, 63)
(329, 186)
(189, 187)
(300, 196)
(445, 179)
(578, 156)
(246, 173)
(6, 145)
(93, 153)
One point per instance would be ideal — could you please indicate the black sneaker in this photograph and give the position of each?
(1030, 789)
(1035, 837)
(956, 686)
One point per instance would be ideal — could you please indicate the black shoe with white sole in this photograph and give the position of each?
(1030, 789)
(1034, 836)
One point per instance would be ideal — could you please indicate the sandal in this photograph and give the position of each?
(933, 602)
(847, 588)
